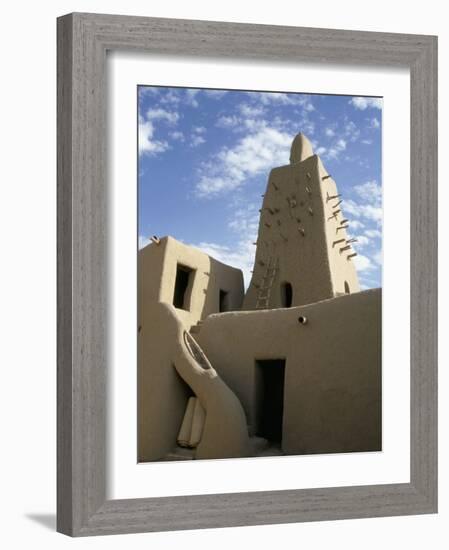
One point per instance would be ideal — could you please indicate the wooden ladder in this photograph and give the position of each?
(264, 293)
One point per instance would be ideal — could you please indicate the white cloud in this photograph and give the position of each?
(147, 143)
(356, 224)
(190, 96)
(362, 241)
(363, 263)
(373, 233)
(367, 141)
(245, 220)
(197, 136)
(367, 211)
(177, 135)
(370, 192)
(171, 117)
(336, 148)
(371, 209)
(363, 103)
(196, 140)
(256, 152)
(374, 123)
(329, 132)
(378, 257)
(170, 97)
(333, 151)
(215, 94)
(251, 111)
(351, 131)
(282, 98)
(228, 121)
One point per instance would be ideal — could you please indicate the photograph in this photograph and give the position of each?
(259, 273)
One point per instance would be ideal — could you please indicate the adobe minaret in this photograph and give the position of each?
(303, 252)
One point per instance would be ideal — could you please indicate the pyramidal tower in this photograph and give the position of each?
(303, 254)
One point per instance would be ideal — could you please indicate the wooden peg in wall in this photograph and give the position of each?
(337, 242)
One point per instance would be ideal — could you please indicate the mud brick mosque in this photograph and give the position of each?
(292, 366)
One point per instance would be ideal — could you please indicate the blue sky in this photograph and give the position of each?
(205, 155)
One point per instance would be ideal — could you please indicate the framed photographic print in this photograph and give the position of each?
(247, 274)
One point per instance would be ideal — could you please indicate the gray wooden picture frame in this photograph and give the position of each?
(83, 40)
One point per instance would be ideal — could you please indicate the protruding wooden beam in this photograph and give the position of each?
(344, 248)
(326, 177)
(155, 239)
(338, 242)
(330, 197)
(351, 256)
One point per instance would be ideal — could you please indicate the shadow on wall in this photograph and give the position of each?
(221, 296)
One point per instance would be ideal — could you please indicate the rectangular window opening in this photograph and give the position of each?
(183, 287)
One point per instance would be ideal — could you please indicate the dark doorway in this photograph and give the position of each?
(347, 289)
(270, 376)
(223, 305)
(286, 294)
(181, 296)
